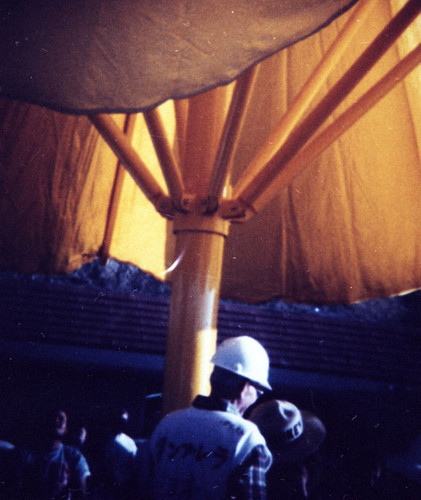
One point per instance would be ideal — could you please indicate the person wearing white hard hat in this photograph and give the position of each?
(209, 450)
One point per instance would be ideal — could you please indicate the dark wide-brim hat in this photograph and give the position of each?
(292, 435)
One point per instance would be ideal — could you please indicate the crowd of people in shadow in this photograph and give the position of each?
(63, 462)
(368, 467)
(239, 442)
(106, 463)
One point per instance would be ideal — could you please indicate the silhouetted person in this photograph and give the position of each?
(52, 469)
(10, 468)
(209, 451)
(119, 458)
(294, 438)
(78, 437)
(399, 474)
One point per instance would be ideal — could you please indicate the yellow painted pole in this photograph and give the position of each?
(200, 239)
(192, 332)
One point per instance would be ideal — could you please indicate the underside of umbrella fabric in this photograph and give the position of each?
(126, 56)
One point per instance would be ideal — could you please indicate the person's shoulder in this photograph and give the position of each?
(175, 416)
(77, 461)
(126, 442)
(70, 449)
(237, 425)
(72, 454)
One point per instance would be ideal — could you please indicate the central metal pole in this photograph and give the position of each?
(196, 283)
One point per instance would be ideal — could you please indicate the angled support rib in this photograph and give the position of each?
(340, 125)
(165, 155)
(230, 134)
(255, 187)
(104, 251)
(121, 145)
(301, 102)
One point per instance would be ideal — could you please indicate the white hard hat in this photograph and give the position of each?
(246, 357)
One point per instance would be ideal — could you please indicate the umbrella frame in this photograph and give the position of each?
(202, 218)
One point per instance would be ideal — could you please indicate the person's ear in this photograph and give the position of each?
(247, 387)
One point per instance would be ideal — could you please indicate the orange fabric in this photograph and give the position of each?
(346, 229)
(54, 183)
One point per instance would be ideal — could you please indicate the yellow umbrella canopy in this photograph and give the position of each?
(345, 230)
(300, 179)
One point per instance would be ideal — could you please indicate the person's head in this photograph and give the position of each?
(119, 421)
(292, 435)
(60, 423)
(78, 437)
(50, 427)
(241, 370)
